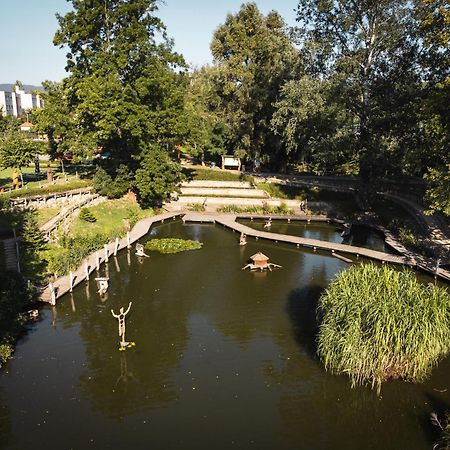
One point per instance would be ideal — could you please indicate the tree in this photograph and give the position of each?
(205, 129)
(434, 20)
(157, 175)
(254, 58)
(313, 125)
(122, 89)
(367, 43)
(126, 86)
(17, 151)
(56, 120)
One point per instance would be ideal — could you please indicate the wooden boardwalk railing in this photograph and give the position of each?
(62, 284)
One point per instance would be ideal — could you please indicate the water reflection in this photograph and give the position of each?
(223, 358)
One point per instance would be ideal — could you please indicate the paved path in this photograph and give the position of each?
(62, 284)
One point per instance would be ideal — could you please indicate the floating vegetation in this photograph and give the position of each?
(172, 245)
(379, 324)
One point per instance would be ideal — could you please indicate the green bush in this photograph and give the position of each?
(171, 245)
(379, 324)
(15, 297)
(112, 186)
(70, 251)
(87, 215)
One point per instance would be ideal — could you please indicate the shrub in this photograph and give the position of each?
(380, 324)
(71, 250)
(87, 215)
(171, 245)
(112, 186)
(234, 209)
(15, 297)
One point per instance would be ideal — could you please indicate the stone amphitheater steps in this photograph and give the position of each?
(224, 193)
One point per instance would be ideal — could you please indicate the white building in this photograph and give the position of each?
(14, 103)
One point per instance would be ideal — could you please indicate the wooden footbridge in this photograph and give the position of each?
(64, 284)
(407, 258)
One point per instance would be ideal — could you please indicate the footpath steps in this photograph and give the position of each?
(10, 254)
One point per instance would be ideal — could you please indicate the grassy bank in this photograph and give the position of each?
(111, 219)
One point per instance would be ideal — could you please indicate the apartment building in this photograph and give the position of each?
(15, 102)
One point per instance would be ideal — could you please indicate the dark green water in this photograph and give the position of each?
(223, 359)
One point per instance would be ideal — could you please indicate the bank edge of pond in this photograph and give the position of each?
(62, 285)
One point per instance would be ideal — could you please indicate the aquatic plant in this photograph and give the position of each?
(378, 323)
(172, 245)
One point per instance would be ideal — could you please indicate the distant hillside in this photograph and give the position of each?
(27, 87)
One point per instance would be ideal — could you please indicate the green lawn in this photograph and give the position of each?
(203, 173)
(110, 218)
(45, 214)
(84, 237)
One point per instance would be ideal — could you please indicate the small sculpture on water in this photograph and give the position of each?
(102, 284)
(242, 239)
(268, 223)
(140, 250)
(121, 319)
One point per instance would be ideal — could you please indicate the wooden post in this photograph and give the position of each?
(86, 270)
(116, 246)
(128, 240)
(106, 253)
(71, 281)
(97, 260)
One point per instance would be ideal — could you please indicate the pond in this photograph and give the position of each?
(224, 358)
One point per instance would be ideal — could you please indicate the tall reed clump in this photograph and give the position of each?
(378, 323)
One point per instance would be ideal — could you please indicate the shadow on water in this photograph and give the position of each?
(440, 407)
(302, 310)
(6, 440)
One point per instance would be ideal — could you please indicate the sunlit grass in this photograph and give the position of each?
(43, 215)
(379, 324)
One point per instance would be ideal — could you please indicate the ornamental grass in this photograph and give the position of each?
(377, 323)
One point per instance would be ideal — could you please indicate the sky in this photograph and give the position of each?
(27, 28)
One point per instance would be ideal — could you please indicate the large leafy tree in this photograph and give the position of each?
(126, 85)
(434, 19)
(255, 57)
(205, 128)
(314, 127)
(371, 47)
